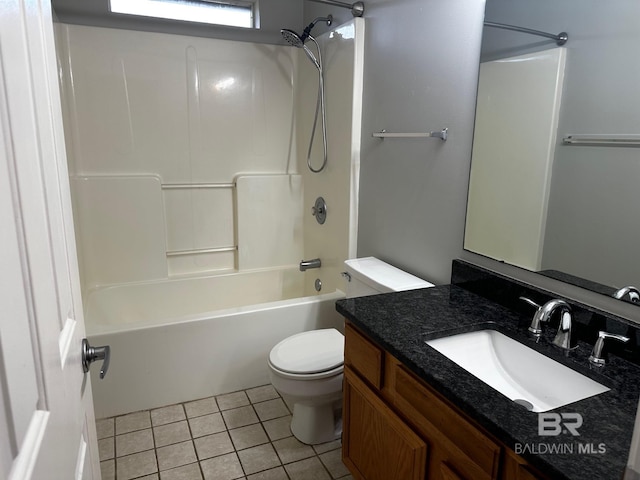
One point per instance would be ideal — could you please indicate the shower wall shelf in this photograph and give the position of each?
(602, 140)
(441, 134)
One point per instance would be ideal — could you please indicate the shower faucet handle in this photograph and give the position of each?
(319, 210)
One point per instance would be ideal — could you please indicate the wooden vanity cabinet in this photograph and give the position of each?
(396, 427)
(378, 444)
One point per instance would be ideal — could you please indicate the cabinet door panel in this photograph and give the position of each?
(447, 473)
(363, 356)
(420, 403)
(377, 445)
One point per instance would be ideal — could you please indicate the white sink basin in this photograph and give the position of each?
(517, 371)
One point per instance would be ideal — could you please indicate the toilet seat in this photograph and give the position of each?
(307, 376)
(315, 354)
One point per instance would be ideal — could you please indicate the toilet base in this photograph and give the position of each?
(313, 425)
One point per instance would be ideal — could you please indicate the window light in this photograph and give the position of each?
(235, 14)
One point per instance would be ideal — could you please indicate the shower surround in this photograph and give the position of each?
(189, 192)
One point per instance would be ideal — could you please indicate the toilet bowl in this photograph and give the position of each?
(307, 368)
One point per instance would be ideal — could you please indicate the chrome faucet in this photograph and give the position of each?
(307, 264)
(631, 292)
(543, 314)
(596, 359)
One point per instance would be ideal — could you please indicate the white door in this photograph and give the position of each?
(47, 429)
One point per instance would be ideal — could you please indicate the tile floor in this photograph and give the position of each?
(241, 435)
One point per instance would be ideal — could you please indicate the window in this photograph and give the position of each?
(231, 13)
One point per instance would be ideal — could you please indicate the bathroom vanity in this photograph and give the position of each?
(436, 439)
(411, 413)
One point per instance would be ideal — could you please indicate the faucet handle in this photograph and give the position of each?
(530, 302)
(535, 329)
(596, 358)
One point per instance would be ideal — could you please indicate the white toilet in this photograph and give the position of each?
(307, 368)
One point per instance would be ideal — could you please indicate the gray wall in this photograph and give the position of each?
(418, 77)
(593, 225)
(421, 69)
(274, 15)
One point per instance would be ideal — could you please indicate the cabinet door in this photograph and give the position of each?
(465, 449)
(515, 467)
(377, 445)
(447, 473)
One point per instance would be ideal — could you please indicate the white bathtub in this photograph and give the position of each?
(179, 340)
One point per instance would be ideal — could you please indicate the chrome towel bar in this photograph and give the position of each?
(184, 186)
(441, 134)
(177, 253)
(603, 140)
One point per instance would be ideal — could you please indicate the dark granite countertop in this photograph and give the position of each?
(402, 322)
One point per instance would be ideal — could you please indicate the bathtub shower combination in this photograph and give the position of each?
(192, 202)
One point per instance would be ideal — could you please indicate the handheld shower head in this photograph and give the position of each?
(292, 38)
(298, 41)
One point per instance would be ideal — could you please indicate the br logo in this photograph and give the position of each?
(553, 424)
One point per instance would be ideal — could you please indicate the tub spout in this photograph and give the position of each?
(307, 264)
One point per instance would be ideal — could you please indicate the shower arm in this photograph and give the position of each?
(357, 8)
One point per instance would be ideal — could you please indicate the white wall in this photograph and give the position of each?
(145, 111)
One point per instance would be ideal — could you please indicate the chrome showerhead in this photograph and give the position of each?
(292, 38)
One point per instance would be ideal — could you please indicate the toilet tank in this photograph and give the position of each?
(370, 276)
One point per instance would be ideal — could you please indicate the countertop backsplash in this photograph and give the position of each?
(587, 321)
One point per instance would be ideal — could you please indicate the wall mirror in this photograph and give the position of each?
(555, 171)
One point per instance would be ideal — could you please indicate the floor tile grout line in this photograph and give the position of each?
(198, 461)
(227, 430)
(155, 449)
(282, 463)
